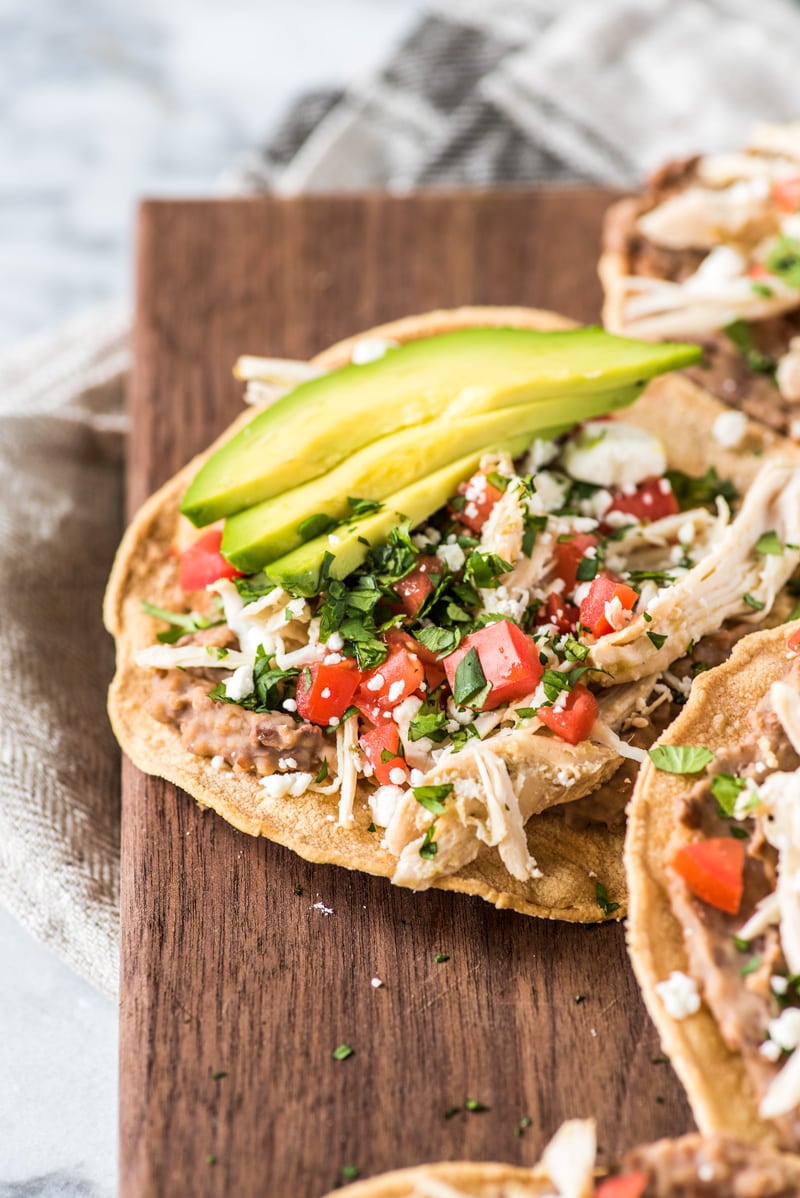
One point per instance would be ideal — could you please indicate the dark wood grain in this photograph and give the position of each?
(226, 967)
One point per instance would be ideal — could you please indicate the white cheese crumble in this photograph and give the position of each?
(217, 762)
(383, 802)
(613, 454)
(321, 907)
(376, 682)
(289, 705)
(785, 1030)
(370, 349)
(452, 555)
(279, 786)
(397, 776)
(779, 984)
(376, 983)
(771, 1051)
(679, 994)
(335, 642)
(331, 659)
(287, 763)
(325, 693)
(333, 539)
(240, 684)
(729, 429)
(396, 690)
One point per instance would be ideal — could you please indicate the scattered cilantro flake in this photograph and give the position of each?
(762, 289)
(428, 722)
(298, 889)
(662, 1060)
(180, 623)
(211, 1159)
(440, 958)
(460, 737)
(783, 261)
(742, 945)
(342, 1052)
(579, 998)
(700, 492)
(574, 650)
(726, 789)
(680, 759)
(362, 507)
(218, 1076)
(432, 799)
(525, 713)
(440, 641)
(587, 569)
(741, 334)
(500, 481)
(315, 526)
(470, 680)
(451, 1111)
(657, 638)
(751, 601)
(646, 617)
(323, 772)
(429, 848)
(524, 1123)
(752, 965)
(739, 833)
(350, 1172)
(601, 894)
(474, 1107)
(387, 755)
(769, 543)
(371, 827)
(485, 569)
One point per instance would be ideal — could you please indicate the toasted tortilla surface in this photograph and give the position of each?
(571, 860)
(716, 716)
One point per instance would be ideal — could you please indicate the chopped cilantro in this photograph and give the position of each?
(762, 289)
(601, 894)
(783, 261)
(428, 722)
(180, 623)
(533, 526)
(268, 686)
(657, 638)
(499, 481)
(218, 1076)
(555, 681)
(440, 641)
(769, 543)
(662, 578)
(646, 617)
(485, 569)
(752, 965)
(680, 759)
(440, 958)
(460, 737)
(298, 889)
(474, 1107)
(742, 945)
(451, 1111)
(579, 998)
(429, 848)
(700, 492)
(524, 1123)
(432, 797)
(741, 334)
(751, 601)
(315, 526)
(574, 650)
(470, 681)
(739, 833)
(350, 1172)
(371, 827)
(587, 568)
(362, 507)
(659, 1060)
(726, 789)
(526, 713)
(323, 772)
(342, 1052)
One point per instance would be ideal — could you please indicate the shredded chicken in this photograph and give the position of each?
(702, 217)
(348, 755)
(714, 590)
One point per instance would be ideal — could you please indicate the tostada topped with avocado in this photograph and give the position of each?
(436, 591)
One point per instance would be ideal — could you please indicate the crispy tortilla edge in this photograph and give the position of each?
(715, 1080)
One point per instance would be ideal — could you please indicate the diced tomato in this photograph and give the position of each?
(757, 270)
(786, 193)
(652, 500)
(482, 496)
(388, 684)
(602, 591)
(202, 563)
(569, 555)
(509, 660)
(559, 613)
(714, 871)
(415, 588)
(434, 670)
(382, 739)
(573, 721)
(628, 1185)
(329, 692)
(793, 643)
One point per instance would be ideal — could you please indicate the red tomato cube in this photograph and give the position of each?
(202, 563)
(653, 499)
(434, 670)
(324, 692)
(388, 684)
(415, 588)
(569, 555)
(573, 720)
(714, 871)
(786, 193)
(593, 608)
(629, 1185)
(559, 613)
(481, 496)
(509, 660)
(383, 739)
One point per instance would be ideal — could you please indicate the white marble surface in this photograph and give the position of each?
(103, 102)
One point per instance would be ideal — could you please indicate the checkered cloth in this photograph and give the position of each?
(481, 92)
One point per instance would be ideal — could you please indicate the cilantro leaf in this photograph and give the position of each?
(470, 680)
(485, 569)
(783, 261)
(181, 623)
(700, 492)
(741, 334)
(429, 848)
(769, 543)
(657, 638)
(432, 797)
(362, 507)
(342, 1052)
(315, 526)
(751, 601)
(441, 641)
(726, 789)
(680, 759)
(601, 894)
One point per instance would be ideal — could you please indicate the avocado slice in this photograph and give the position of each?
(347, 545)
(276, 526)
(310, 430)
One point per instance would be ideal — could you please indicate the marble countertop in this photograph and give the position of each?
(104, 103)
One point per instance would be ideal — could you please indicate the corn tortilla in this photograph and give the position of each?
(571, 859)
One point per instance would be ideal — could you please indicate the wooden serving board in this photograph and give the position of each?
(236, 983)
